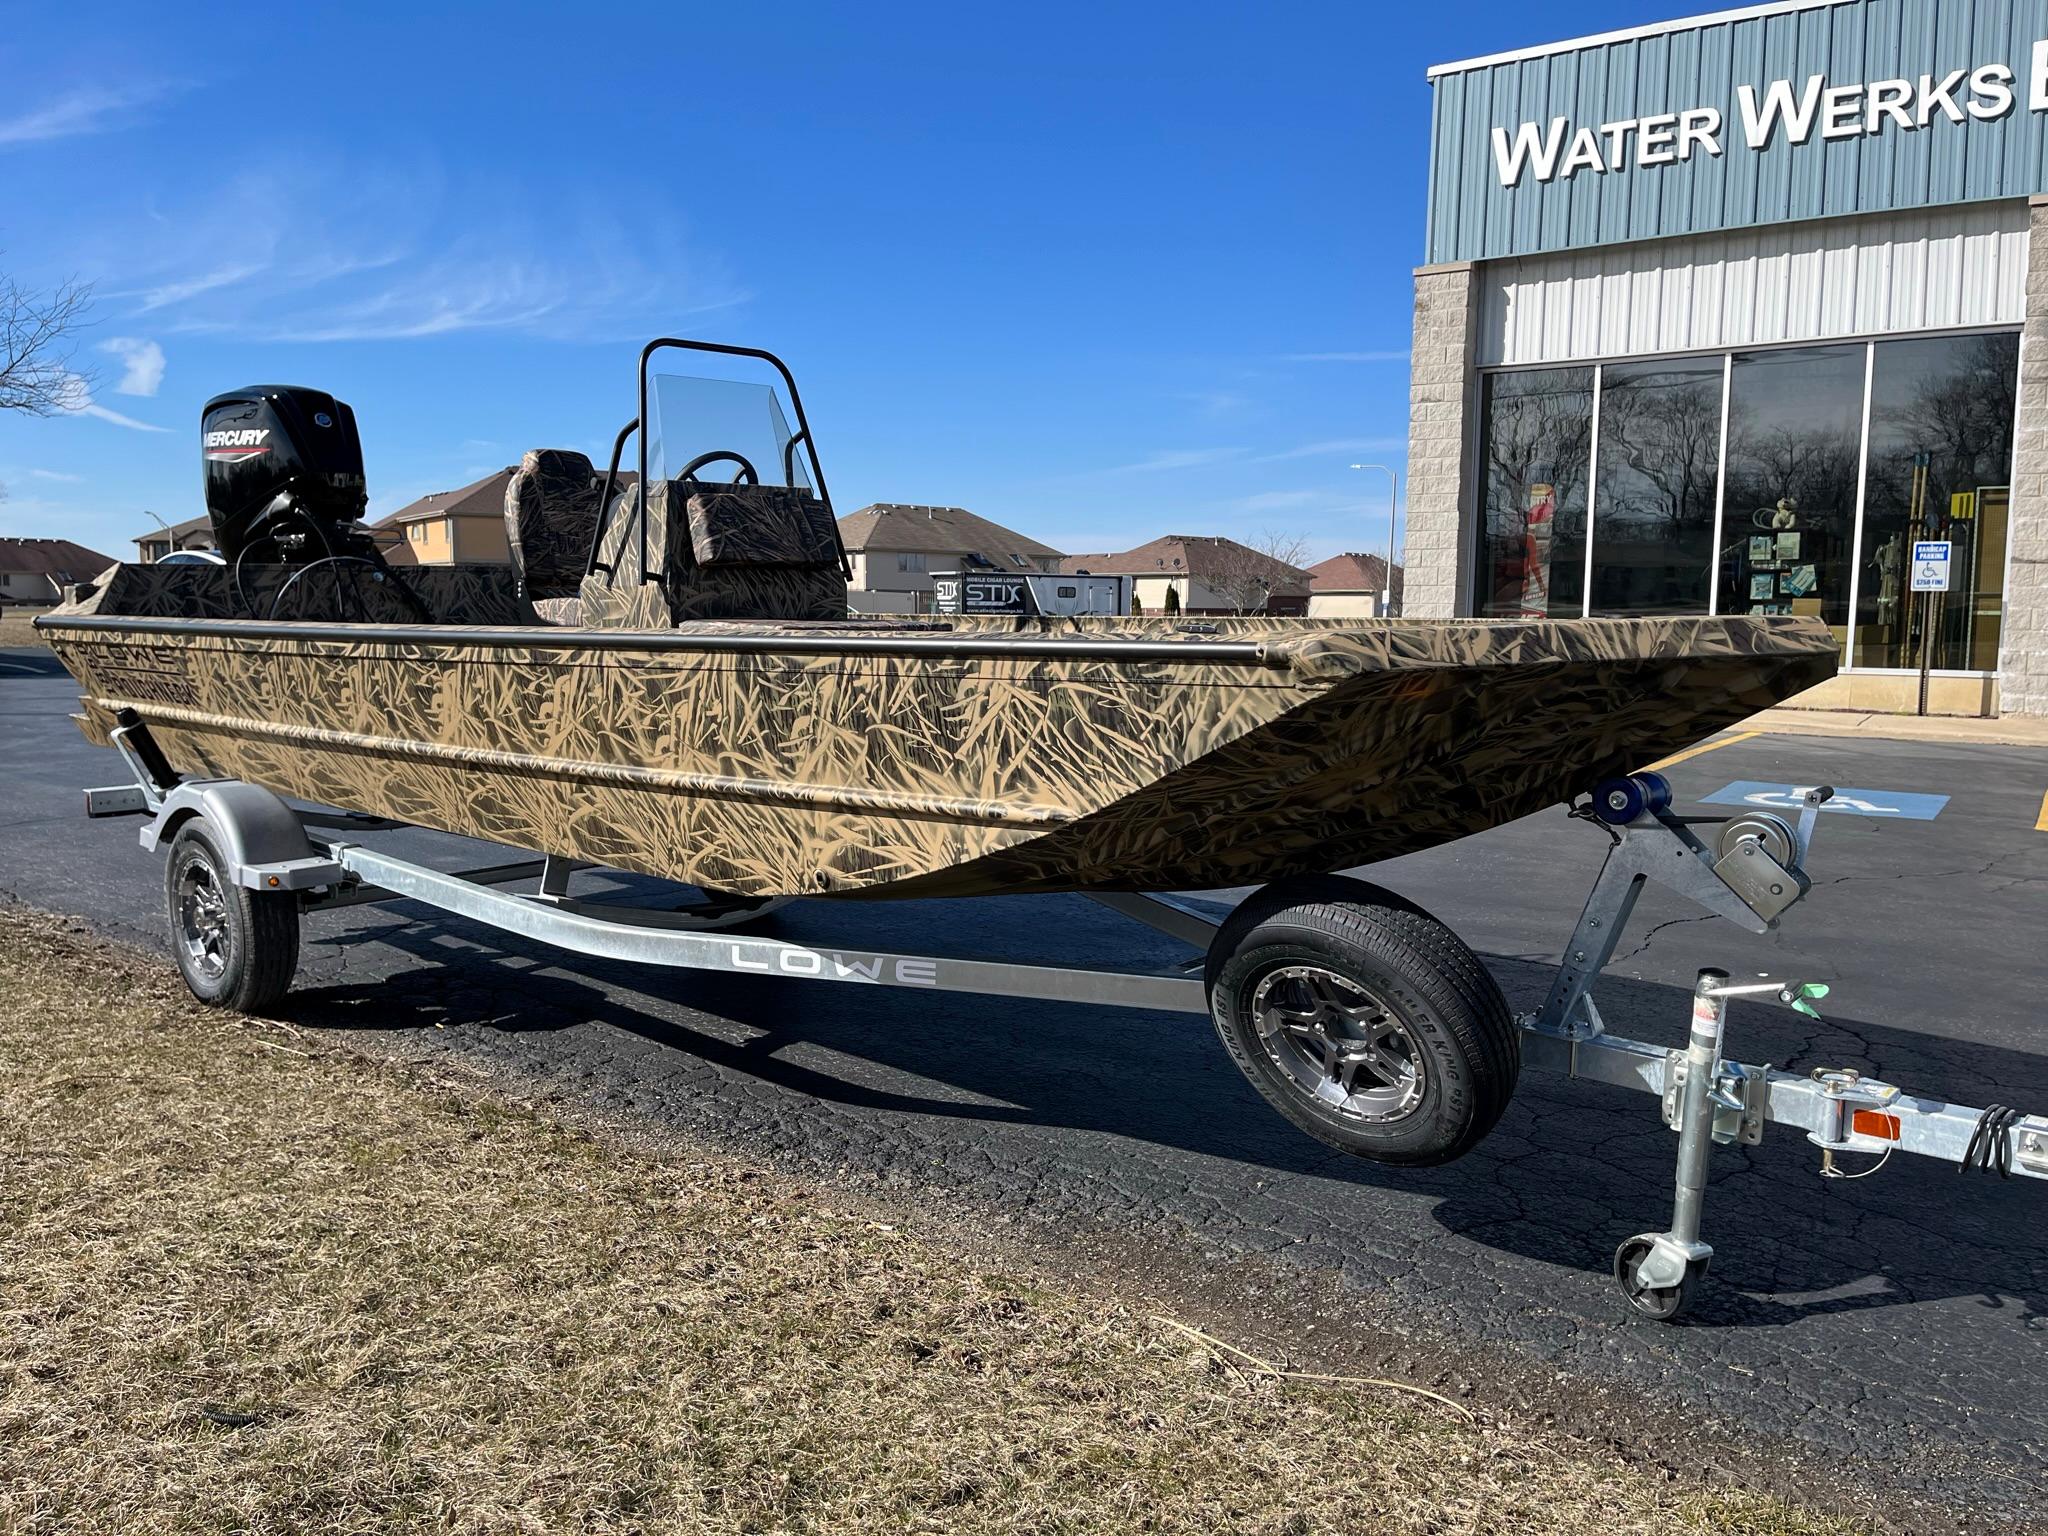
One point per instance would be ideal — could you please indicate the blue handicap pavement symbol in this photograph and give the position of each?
(1885, 804)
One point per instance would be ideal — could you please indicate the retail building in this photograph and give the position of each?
(1730, 315)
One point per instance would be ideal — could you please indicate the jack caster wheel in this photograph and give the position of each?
(1363, 1020)
(1659, 1303)
(235, 947)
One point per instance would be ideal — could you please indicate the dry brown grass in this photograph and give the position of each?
(251, 1281)
(16, 626)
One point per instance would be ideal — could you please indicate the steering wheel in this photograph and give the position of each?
(746, 474)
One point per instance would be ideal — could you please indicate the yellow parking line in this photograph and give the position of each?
(2041, 821)
(1715, 746)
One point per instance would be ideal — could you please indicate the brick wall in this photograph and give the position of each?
(2023, 641)
(1442, 404)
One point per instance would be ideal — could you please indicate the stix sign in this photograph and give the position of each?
(1558, 151)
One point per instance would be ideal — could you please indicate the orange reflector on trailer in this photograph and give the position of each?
(1876, 1124)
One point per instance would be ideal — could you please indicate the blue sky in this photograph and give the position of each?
(1099, 272)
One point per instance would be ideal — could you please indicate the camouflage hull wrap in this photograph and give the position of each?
(454, 594)
(915, 760)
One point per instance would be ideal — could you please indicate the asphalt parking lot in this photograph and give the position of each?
(1898, 1323)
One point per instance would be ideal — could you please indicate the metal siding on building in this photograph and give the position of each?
(1472, 217)
(1810, 281)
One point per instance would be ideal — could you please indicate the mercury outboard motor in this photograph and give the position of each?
(284, 486)
(284, 468)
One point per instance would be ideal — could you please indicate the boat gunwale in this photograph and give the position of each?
(1273, 652)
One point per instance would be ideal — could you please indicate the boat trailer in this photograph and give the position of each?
(1751, 875)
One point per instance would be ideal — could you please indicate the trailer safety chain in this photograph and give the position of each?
(1989, 1143)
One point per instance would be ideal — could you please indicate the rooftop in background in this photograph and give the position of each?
(193, 533)
(59, 559)
(901, 528)
(1353, 573)
(480, 498)
(1206, 557)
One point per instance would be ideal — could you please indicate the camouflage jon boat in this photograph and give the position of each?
(904, 760)
(666, 682)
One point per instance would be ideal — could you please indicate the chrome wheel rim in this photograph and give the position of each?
(1337, 1043)
(202, 922)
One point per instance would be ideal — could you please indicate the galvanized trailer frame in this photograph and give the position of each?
(1753, 874)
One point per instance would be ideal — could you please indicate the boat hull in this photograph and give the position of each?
(829, 761)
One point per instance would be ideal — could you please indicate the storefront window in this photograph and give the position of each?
(1534, 455)
(1653, 503)
(1941, 414)
(1795, 426)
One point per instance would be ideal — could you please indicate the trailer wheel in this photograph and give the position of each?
(1363, 1020)
(235, 947)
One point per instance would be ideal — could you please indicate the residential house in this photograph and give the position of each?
(193, 533)
(1205, 575)
(895, 548)
(1352, 586)
(38, 570)
(465, 526)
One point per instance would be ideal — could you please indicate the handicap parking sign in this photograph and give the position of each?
(1930, 565)
(1882, 804)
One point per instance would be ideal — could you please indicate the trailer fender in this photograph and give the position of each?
(261, 838)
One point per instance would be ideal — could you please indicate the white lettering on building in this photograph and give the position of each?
(1780, 111)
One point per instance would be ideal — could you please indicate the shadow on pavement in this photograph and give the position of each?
(28, 664)
(1572, 1170)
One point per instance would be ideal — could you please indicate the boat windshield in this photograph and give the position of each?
(691, 418)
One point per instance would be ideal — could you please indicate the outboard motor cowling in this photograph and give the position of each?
(284, 468)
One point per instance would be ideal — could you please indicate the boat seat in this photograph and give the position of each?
(550, 514)
(721, 552)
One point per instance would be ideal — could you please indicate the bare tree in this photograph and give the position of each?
(36, 375)
(1246, 577)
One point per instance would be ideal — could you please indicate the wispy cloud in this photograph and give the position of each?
(469, 260)
(142, 364)
(83, 109)
(1336, 447)
(1276, 501)
(76, 400)
(177, 291)
(1347, 357)
(56, 474)
(1174, 458)
(1214, 404)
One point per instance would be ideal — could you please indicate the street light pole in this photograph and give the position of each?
(170, 539)
(1393, 510)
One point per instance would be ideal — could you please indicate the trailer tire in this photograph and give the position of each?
(236, 948)
(1363, 1020)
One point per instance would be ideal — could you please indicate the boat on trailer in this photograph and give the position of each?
(669, 683)
(666, 681)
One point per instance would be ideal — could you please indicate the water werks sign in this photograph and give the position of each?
(1559, 150)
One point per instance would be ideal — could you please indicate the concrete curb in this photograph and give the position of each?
(2011, 731)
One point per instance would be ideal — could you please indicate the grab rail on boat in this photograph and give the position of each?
(604, 503)
(919, 642)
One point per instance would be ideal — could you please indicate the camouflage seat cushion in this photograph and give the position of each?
(550, 515)
(722, 552)
(760, 525)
